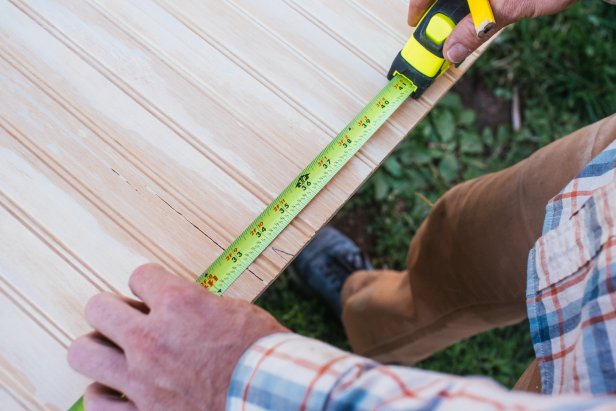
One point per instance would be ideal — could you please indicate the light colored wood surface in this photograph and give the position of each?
(156, 130)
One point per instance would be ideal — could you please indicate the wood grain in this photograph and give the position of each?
(157, 130)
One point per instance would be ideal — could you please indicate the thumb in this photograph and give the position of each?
(463, 41)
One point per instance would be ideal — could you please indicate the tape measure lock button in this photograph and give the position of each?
(439, 28)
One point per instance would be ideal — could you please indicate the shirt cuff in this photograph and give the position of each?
(288, 371)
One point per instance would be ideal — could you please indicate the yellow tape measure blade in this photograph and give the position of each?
(270, 223)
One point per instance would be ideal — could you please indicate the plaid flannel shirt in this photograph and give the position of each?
(571, 301)
(571, 290)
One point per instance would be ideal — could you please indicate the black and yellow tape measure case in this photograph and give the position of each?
(421, 60)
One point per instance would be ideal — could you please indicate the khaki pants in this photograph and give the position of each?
(467, 263)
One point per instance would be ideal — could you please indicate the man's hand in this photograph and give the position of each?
(176, 350)
(464, 40)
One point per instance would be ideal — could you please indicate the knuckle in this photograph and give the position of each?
(171, 296)
(510, 11)
(144, 343)
(464, 34)
(141, 338)
(521, 9)
(177, 297)
(528, 8)
(147, 351)
(468, 36)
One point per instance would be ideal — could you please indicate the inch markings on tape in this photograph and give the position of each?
(265, 228)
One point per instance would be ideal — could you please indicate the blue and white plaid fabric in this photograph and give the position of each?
(572, 309)
(571, 292)
(290, 372)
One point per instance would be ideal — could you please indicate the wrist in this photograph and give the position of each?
(244, 369)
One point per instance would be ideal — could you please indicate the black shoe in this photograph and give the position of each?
(325, 264)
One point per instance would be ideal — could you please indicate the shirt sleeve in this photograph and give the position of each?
(290, 372)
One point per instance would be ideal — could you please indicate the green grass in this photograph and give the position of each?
(564, 70)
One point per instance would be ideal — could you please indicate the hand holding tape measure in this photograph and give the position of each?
(486, 18)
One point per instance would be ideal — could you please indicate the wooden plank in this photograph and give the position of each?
(58, 145)
(157, 130)
(58, 297)
(11, 402)
(33, 367)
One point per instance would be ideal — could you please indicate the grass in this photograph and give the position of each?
(563, 68)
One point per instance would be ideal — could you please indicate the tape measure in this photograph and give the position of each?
(266, 227)
(415, 68)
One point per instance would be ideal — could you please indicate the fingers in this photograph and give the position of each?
(417, 8)
(150, 281)
(112, 317)
(463, 41)
(96, 358)
(100, 398)
(137, 305)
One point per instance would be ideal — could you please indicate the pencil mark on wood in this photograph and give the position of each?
(188, 220)
(283, 254)
(255, 274)
(124, 179)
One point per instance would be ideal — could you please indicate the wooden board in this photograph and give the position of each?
(156, 130)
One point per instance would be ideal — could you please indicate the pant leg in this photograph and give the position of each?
(530, 380)
(467, 263)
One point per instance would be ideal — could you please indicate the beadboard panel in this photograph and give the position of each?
(157, 130)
